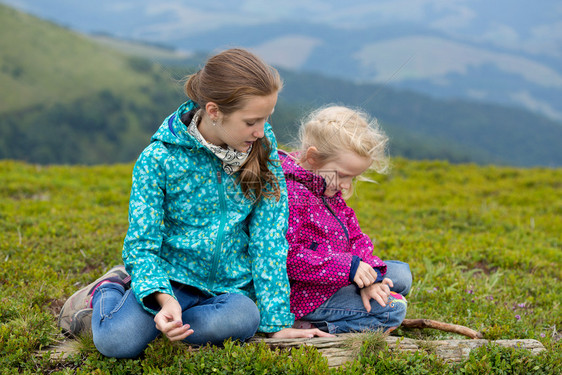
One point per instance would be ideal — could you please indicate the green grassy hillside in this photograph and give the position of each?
(483, 243)
(33, 72)
(68, 99)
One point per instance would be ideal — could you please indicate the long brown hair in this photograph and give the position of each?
(229, 79)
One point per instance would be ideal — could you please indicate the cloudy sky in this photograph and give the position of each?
(514, 24)
(428, 41)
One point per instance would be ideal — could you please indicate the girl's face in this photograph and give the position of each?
(242, 128)
(340, 171)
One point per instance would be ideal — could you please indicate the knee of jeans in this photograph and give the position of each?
(120, 343)
(406, 284)
(403, 282)
(242, 323)
(245, 321)
(118, 347)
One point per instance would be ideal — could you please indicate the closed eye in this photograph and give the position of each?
(253, 121)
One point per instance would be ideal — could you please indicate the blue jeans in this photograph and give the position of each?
(344, 311)
(123, 329)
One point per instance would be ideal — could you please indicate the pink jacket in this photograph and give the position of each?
(324, 236)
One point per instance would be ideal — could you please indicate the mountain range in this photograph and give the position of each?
(69, 97)
(504, 51)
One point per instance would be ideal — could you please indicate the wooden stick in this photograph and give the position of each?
(447, 327)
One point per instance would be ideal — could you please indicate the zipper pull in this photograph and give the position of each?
(219, 176)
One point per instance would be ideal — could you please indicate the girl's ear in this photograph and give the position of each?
(213, 111)
(311, 157)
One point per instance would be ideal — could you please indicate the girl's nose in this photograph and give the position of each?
(259, 132)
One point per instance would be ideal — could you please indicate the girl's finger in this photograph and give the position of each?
(168, 326)
(319, 333)
(180, 333)
(181, 337)
(366, 302)
(388, 282)
(380, 300)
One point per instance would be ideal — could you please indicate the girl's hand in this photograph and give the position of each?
(168, 320)
(295, 333)
(365, 275)
(379, 292)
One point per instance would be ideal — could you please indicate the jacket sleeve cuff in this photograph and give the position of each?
(354, 265)
(379, 276)
(142, 295)
(276, 322)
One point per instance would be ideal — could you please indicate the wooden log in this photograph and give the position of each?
(447, 327)
(344, 347)
(457, 350)
(338, 350)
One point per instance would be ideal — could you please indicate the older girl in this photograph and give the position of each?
(207, 221)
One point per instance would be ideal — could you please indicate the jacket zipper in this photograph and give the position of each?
(336, 216)
(218, 248)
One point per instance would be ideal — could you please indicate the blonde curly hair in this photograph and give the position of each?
(336, 128)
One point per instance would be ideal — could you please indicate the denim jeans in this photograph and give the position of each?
(121, 328)
(344, 311)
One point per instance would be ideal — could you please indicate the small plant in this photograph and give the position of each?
(366, 343)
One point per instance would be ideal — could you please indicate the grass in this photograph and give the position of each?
(484, 245)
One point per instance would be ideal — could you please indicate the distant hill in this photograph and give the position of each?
(42, 63)
(408, 57)
(425, 127)
(421, 127)
(71, 98)
(504, 51)
(67, 99)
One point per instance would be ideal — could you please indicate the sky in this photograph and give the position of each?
(532, 27)
(514, 37)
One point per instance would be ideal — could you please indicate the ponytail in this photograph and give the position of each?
(256, 179)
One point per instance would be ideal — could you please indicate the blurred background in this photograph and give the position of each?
(464, 81)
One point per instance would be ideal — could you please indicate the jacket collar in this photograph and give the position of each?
(174, 131)
(313, 182)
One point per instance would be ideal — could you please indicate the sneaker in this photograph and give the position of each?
(81, 321)
(398, 298)
(76, 313)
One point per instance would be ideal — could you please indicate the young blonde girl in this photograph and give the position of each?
(337, 284)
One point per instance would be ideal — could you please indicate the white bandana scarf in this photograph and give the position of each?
(231, 159)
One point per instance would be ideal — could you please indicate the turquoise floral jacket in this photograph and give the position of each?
(190, 222)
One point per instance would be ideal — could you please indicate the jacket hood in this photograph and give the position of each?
(174, 131)
(313, 182)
